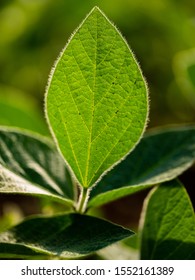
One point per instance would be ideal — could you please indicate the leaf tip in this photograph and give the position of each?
(97, 9)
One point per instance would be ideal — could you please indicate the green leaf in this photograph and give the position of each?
(169, 224)
(11, 115)
(96, 104)
(162, 155)
(68, 236)
(30, 165)
(20, 110)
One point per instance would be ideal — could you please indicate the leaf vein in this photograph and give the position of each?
(114, 115)
(93, 103)
(72, 149)
(107, 155)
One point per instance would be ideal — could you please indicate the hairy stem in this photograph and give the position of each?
(83, 199)
(75, 188)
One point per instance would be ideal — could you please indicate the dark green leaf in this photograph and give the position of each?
(67, 236)
(168, 224)
(31, 165)
(161, 155)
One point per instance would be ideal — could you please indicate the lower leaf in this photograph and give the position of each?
(67, 236)
(161, 156)
(168, 224)
(30, 165)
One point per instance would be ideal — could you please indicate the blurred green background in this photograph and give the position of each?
(161, 33)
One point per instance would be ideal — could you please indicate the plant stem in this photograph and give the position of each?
(75, 188)
(82, 201)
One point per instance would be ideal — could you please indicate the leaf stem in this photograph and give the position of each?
(75, 189)
(83, 199)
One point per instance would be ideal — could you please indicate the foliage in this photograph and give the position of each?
(97, 109)
(170, 232)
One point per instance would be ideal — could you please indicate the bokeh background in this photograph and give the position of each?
(161, 33)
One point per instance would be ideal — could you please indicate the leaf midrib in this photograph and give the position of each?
(85, 184)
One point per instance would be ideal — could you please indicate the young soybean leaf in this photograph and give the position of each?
(168, 224)
(96, 102)
(68, 236)
(32, 166)
(162, 155)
